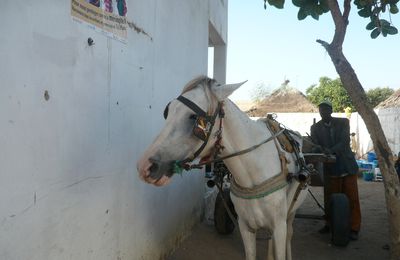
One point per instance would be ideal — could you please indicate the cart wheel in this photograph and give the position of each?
(340, 219)
(222, 222)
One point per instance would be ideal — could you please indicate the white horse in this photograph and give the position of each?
(189, 134)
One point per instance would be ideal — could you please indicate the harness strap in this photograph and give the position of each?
(259, 191)
(239, 152)
(192, 106)
(200, 112)
(267, 187)
(300, 187)
(302, 184)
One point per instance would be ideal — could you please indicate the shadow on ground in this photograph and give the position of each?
(307, 243)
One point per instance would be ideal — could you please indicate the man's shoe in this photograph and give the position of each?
(353, 235)
(324, 230)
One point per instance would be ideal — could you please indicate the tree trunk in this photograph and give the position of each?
(385, 157)
(357, 94)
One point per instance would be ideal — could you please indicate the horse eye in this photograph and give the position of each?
(192, 117)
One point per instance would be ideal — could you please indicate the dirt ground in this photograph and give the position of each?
(307, 243)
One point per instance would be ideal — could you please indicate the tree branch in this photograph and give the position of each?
(324, 44)
(346, 11)
(340, 21)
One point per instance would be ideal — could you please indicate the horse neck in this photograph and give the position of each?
(239, 133)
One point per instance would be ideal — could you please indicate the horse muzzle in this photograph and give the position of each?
(159, 168)
(154, 171)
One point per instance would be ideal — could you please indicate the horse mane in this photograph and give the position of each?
(195, 82)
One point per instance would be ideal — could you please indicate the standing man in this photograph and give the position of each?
(331, 135)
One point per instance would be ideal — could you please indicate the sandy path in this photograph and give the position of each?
(307, 244)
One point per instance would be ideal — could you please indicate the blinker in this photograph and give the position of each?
(165, 114)
(202, 128)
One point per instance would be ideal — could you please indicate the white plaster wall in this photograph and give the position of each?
(388, 117)
(390, 121)
(68, 182)
(301, 122)
(218, 17)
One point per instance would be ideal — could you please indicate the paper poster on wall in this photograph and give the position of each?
(99, 16)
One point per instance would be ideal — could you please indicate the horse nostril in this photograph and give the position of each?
(159, 168)
(154, 167)
(155, 164)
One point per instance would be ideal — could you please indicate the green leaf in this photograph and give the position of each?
(375, 33)
(302, 14)
(324, 5)
(394, 9)
(384, 23)
(299, 3)
(384, 32)
(365, 12)
(371, 25)
(313, 13)
(391, 30)
(277, 3)
(318, 10)
(315, 16)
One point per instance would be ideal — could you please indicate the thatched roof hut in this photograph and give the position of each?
(283, 100)
(392, 101)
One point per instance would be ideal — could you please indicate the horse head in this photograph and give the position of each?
(188, 130)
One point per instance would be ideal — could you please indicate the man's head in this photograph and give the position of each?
(325, 110)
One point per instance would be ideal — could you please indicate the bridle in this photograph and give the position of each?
(202, 129)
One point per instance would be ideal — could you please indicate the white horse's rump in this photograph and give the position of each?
(179, 142)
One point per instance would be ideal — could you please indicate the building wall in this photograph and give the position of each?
(388, 117)
(390, 121)
(74, 119)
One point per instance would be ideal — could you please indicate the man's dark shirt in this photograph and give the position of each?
(336, 137)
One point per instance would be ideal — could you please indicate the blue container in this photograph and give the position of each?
(367, 166)
(368, 176)
(360, 162)
(375, 162)
(371, 156)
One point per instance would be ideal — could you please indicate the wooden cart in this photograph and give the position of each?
(337, 204)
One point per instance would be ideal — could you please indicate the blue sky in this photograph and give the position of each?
(269, 46)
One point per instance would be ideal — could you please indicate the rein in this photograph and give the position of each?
(267, 187)
(199, 165)
(179, 166)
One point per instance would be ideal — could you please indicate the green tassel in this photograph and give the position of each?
(177, 168)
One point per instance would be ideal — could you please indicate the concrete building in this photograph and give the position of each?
(79, 102)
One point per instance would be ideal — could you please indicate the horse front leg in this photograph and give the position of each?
(249, 240)
(278, 242)
(270, 250)
(289, 236)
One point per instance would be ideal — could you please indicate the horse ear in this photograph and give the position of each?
(224, 91)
